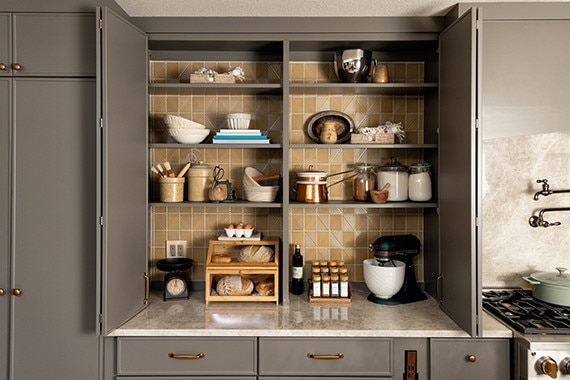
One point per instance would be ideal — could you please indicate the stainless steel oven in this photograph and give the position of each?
(542, 333)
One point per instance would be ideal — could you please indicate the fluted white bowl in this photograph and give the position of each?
(188, 135)
(383, 281)
(174, 121)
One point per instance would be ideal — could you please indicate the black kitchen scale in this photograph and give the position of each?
(175, 283)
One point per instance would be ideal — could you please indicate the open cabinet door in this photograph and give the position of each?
(122, 174)
(459, 283)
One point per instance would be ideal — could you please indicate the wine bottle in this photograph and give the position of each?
(297, 272)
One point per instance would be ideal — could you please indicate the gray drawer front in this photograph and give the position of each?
(362, 357)
(449, 359)
(222, 356)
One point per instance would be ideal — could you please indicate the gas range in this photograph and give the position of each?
(541, 347)
(519, 310)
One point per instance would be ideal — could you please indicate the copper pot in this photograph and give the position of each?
(312, 186)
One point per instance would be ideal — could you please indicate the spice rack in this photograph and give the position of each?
(250, 270)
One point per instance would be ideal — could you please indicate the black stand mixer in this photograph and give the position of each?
(402, 248)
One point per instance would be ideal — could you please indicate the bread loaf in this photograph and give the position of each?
(234, 285)
(221, 258)
(265, 287)
(256, 254)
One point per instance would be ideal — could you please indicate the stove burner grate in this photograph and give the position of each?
(521, 311)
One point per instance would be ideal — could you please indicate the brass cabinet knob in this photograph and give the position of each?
(17, 66)
(2, 291)
(3, 66)
(17, 292)
(472, 358)
(565, 366)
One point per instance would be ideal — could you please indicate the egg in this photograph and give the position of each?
(239, 226)
(230, 226)
(248, 226)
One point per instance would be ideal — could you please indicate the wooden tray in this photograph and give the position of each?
(328, 299)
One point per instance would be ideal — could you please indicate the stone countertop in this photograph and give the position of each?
(360, 318)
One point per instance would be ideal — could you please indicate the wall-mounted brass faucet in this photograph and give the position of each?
(546, 189)
(538, 221)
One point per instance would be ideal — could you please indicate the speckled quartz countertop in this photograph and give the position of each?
(360, 318)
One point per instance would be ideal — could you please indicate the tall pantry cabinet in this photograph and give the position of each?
(47, 89)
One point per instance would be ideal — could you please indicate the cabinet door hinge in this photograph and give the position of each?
(476, 123)
(101, 220)
(100, 24)
(478, 24)
(100, 318)
(100, 123)
(437, 131)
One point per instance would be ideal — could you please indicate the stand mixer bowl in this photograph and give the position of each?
(384, 279)
(352, 65)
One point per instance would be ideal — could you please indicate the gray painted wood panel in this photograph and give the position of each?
(123, 173)
(5, 43)
(54, 44)
(54, 319)
(457, 181)
(5, 218)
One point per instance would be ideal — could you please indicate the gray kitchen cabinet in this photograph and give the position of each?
(121, 170)
(47, 44)
(470, 359)
(187, 356)
(48, 321)
(5, 218)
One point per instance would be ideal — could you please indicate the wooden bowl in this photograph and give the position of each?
(379, 196)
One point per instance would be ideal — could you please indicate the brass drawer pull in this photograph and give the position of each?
(310, 355)
(186, 357)
(16, 66)
(3, 67)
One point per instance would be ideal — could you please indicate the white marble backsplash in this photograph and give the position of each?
(511, 247)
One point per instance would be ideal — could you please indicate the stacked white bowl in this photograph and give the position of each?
(185, 131)
(238, 120)
(254, 192)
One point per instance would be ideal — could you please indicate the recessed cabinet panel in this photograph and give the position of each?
(53, 44)
(5, 196)
(470, 359)
(187, 356)
(5, 44)
(322, 357)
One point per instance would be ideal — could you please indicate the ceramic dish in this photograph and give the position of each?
(343, 125)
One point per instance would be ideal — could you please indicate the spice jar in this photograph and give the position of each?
(419, 184)
(364, 182)
(396, 174)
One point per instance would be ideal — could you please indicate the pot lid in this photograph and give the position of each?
(553, 278)
(393, 165)
(311, 174)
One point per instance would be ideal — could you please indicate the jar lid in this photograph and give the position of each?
(362, 168)
(419, 167)
(393, 166)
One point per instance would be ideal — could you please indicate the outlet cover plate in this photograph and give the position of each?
(175, 249)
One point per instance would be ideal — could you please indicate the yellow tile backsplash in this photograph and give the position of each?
(323, 233)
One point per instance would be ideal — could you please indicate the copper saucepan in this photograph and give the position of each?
(312, 186)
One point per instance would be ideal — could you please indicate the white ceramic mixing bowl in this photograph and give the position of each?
(383, 281)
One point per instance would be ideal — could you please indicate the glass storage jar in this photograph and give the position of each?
(419, 184)
(396, 174)
(364, 182)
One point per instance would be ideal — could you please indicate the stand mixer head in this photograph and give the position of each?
(402, 248)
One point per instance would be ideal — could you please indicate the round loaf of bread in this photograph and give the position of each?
(234, 285)
(221, 258)
(256, 254)
(265, 287)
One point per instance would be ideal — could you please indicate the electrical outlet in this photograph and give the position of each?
(175, 248)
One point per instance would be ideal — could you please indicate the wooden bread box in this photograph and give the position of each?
(257, 272)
